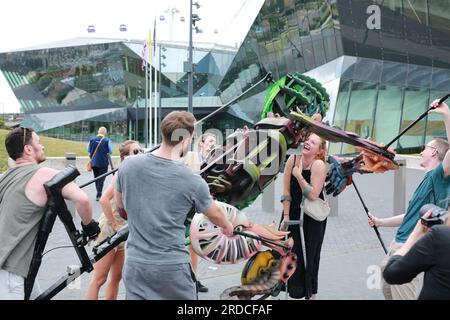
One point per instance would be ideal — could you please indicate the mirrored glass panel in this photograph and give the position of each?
(439, 14)
(368, 70)
(419, 76)
(440, 79)
(340, 112)
(394, 73)
(435, 123)
(387, 114)
(360, 111)
(415, 103)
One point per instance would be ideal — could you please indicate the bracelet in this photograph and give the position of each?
(286, 198)
(307, 190)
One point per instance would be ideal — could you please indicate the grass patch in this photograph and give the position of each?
(53, 148)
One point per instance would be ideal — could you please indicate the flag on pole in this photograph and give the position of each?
(144, 50)
(147, 44)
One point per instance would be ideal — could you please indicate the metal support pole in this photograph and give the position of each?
(298, 223)
(136, 131)
(159, 94)
(190, 67)
(334, 205)
(146, 106)
(400, 188)
(268, 198)
(155, 102)
(136, 125)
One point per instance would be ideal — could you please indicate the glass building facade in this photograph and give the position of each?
(392, 74)
(382, 62)
(69, 89)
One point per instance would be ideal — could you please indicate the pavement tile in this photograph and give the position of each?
(350, 247)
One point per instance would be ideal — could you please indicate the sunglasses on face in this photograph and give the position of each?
(137, 151)
(423, 147)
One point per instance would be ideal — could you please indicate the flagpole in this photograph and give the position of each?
(146, 102)
(150, 90)
(155, 110)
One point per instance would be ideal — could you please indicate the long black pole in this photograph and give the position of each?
(248, 235)
(423, 115)
(267, 77)
(100, 251)
(367, 212)
(99, 177)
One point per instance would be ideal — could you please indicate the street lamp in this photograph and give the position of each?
(193, 18)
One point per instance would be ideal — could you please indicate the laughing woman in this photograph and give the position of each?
(305, 175)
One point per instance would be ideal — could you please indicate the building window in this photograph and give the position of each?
(360, 111)
(387, 114)
(415, 103)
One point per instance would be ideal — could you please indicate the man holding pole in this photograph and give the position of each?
(23, 202)
(157, 264)
(434, 189)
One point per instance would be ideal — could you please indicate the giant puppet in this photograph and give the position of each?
(237, 173)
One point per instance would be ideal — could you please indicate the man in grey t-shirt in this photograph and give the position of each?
(157, 191)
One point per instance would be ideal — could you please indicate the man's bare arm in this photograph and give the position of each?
(218, 218)
(444, 111)
(81, 200)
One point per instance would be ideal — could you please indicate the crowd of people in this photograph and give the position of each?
(155, 262)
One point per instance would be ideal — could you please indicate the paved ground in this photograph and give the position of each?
(350, 251)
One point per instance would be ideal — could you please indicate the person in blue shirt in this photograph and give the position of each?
(99, 149)
(434, 188)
